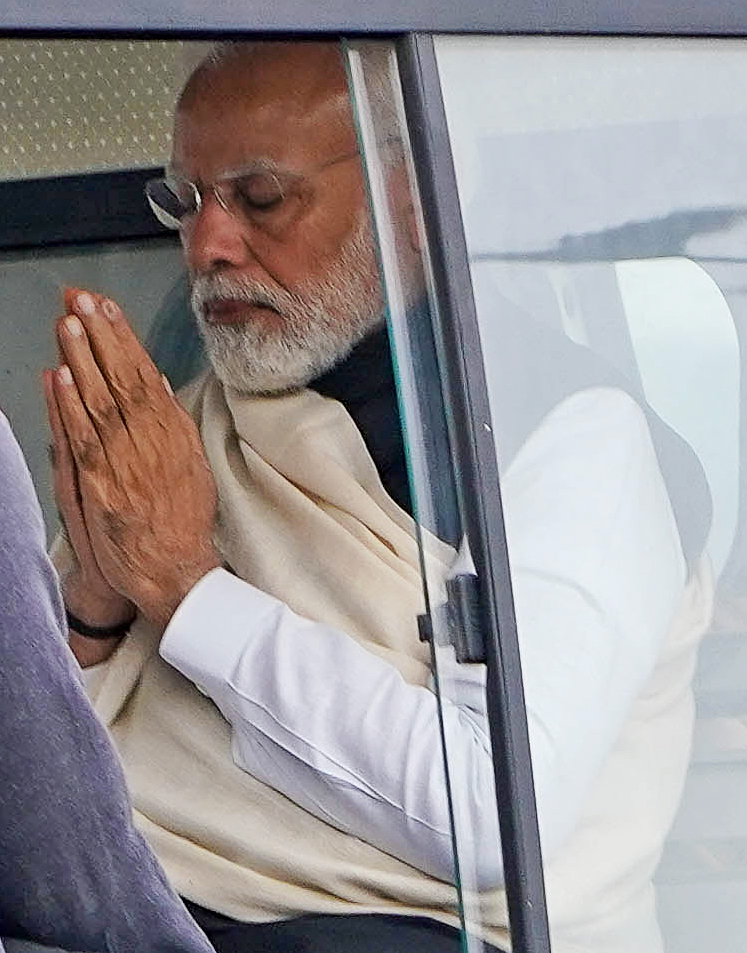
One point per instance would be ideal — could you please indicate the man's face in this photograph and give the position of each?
(281, 292)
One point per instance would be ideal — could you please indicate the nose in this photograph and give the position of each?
(214, 238)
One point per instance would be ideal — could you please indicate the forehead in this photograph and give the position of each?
(285, 103)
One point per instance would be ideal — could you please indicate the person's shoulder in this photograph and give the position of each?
(609, 415)
(20, 515)
(588, 439)
(11, 457)
(605, 401)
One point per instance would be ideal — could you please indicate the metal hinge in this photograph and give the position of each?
(457, 621)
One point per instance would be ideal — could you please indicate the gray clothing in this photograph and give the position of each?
(74, 872)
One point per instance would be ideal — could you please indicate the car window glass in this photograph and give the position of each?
(437, 488)
(604, 205)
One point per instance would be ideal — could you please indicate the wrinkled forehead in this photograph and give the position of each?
(286, 103)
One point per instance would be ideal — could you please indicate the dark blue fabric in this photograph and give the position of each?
(73, 870)
(356, 933)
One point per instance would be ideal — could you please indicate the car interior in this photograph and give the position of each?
(655, 283)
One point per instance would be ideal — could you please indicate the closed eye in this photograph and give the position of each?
(259, 191)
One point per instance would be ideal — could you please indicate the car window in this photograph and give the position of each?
(442, 504)
(604, 207)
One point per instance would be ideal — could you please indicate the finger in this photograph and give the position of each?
(60, 454)
(70, 293)
(82, 438)
(94, 391)
(137, 387)
(67, 494)
(63, 527)
(60, 355)
(123, 360)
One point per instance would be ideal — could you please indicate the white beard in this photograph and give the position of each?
(316, 326)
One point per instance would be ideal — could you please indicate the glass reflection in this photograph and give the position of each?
(429, 430)
(605, 204)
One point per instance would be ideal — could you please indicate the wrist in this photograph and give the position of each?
(92, 644)
(95, 610)
(101, 632)
(172, 592)
(91, 651)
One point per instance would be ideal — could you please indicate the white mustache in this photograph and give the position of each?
(208, 289)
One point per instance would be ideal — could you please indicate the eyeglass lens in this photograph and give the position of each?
(249, 194)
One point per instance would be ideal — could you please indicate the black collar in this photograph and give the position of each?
(364, 384)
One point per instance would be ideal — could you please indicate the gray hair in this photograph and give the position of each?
(382, 97)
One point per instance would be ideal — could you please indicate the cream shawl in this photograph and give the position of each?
(303, 516)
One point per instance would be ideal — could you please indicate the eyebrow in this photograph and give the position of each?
(260, 164)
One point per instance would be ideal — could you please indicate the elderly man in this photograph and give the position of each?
(271, 700)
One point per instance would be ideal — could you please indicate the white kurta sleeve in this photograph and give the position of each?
(597, 571)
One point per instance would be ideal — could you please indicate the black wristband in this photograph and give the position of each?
(97, 631)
